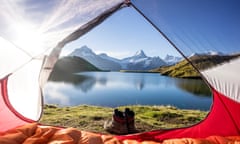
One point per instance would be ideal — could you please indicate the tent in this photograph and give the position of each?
(32, 35)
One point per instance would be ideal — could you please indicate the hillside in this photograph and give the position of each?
(65, 66)
(184, 70)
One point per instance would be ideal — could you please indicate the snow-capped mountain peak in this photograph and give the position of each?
(105, 56)
(170, 60)
(140, 54)
(136, 58)
(85, 48)
(98, 61)
(214, 53)
(169, 57)
(209, 53)
(139, 61)
(83, 51)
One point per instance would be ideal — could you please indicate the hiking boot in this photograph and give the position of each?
(129, 115)
(117, 125)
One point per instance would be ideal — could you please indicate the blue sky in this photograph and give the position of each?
(194, 26)
(122, 35)
(197, 25)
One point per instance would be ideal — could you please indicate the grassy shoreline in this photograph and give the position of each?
(92, 118)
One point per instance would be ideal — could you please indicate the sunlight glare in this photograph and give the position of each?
(29, 38)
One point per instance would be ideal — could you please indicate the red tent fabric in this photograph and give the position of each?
(29, 56)
(10, 118)
(223, 120)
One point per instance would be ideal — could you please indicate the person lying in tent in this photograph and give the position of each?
(121, 122)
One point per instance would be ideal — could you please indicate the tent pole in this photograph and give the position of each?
(171, 42)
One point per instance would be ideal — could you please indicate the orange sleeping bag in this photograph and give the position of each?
(37, 134)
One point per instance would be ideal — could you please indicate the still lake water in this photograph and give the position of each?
(115, 89)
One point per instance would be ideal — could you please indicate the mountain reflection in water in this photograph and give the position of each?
(116, 88)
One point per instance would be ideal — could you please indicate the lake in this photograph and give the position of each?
(113, 89)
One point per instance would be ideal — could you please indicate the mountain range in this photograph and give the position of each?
(203, 61)
(79, 60)
(139, 61)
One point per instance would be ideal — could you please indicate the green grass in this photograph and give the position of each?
(92, 118)
(180, 70)
(185, 70)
